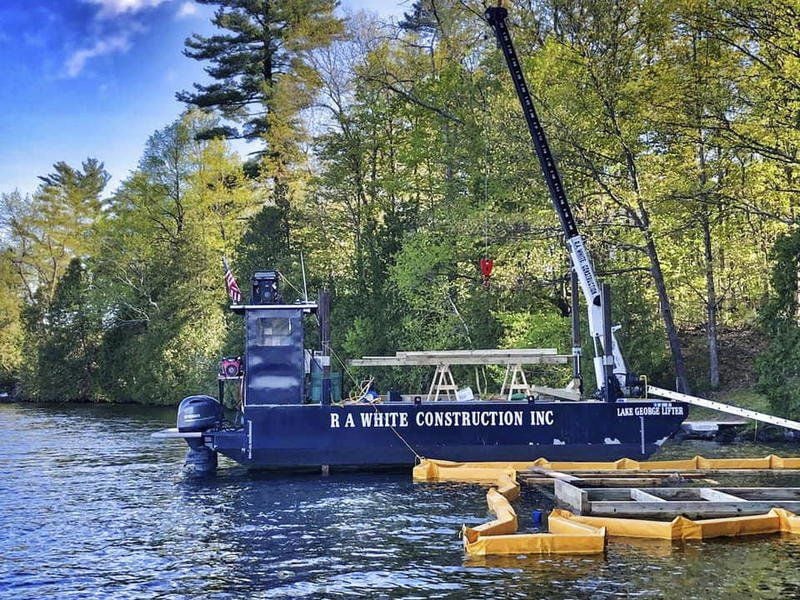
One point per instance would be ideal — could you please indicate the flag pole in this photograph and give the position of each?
(231, 285)
(303, 268)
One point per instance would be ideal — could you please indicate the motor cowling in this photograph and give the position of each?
(636, 385)
(199, 413)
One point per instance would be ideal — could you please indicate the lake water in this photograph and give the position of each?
(92, 507)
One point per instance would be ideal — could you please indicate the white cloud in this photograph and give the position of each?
(77, 60)
(187, 9)
(113, 8)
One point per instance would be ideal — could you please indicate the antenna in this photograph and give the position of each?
(303, 268)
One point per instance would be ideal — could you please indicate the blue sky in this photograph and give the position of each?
(94, 78)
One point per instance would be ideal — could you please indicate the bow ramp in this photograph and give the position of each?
(722, 407)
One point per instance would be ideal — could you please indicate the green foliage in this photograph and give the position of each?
(265, 243)
(779, 372)
(47, 230)
(69, 343)
(10, 322)
(782, 308)
(779, 367)
(673, 123)
(262, 76)
(178, 214)
(641, 333)
(47, 233)
(544, 329)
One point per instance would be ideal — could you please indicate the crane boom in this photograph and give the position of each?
(579, 256)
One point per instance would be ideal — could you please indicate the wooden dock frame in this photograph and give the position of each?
(670, 502)
(569, 533)
(546, 478)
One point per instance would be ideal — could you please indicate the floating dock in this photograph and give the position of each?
(670, 502)
(745, 511)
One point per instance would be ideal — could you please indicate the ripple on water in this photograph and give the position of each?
(92, 507)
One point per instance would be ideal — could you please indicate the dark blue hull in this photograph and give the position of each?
(364, 435)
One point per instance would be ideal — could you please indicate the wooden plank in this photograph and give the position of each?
(744, 494)
(753, 471)
(641, 496)
(763, 493)
(563, 393)
(553, 474)
(664, 493)
(685, 474)
(377, 361)
(554, 359)
(620, 474)
(480, 352)
(726, 408)
(716, 496)
(611, 482)
(572, 497)
(693, 509)
(634, 474)
(691, 502)
(546, 481)
(609, 494)
(394, 361)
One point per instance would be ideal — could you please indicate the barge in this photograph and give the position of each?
(276, 426)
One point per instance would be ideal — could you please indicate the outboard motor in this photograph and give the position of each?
(197, 414)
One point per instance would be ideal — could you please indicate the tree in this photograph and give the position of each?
(54, 225)
(779, 366)
(597, 91)
(260, 67)
(10, 320)
(67, 351)
(692, 87)
(264, 79)
(673, 123)
(421, 18)
(162, 239)
(46, 232)
(765, 35)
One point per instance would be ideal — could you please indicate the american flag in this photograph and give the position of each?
(230, 284)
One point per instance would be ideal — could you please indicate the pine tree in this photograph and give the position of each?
(54, 225)
(67, 353)
(263, 79)
(421, 18)
(260, 67)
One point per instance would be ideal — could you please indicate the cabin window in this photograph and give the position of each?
(273, 331)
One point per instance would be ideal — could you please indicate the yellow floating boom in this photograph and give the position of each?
(566, 536)
(444, 470)
(776, 520)
(574, 534)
